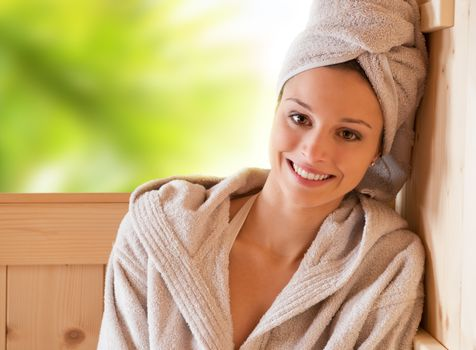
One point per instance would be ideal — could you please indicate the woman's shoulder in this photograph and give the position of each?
(396, 258)
(401, 246)
(384, 220)
(398, 261)
(193, 191)
(189, 209)
(395, 246)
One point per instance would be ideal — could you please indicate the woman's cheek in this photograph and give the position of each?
(281, 138)
(359, 167)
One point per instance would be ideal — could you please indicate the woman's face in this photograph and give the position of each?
(326, 132)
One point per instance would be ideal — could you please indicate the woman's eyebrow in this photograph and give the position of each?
(357, 121)
(345, 120)
(305, 105)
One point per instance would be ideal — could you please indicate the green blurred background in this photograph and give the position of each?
(101, 96)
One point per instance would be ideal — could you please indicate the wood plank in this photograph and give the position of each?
(436, 15)
(54, 307)
(64, 198)
(58, 233)
(434, 195)
(468, 286)
(3, 305)
(424, 341)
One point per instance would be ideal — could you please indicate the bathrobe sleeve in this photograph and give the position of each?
(124, 322)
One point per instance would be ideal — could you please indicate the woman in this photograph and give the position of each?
(304, 255)
(317, 157)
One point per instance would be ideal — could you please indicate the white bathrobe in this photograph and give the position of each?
(359, 285)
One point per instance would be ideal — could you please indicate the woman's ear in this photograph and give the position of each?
(375, 159)
(377, 156)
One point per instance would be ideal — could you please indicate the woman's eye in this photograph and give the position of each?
(350, 135)
(299, 119)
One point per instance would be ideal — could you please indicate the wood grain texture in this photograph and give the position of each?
(64, 198)
(468, 285)
(3, 305)
(58, 233)
(54, 307)
(424, 341)
(438, 200)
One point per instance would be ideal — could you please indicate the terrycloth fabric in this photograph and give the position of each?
(385, 38)
(359, 285)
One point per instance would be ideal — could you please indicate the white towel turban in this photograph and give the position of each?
(384, 37)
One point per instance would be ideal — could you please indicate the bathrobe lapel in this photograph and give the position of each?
(200, 214)
(200, 309)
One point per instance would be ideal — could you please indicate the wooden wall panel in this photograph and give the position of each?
(438, 200)
(431, 200)
(468, 285)
(54, 307)
(55, 247)
(424, 341)
(58, 233)
(64, 197)
(3, 304)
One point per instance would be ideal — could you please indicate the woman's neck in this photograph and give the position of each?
(282, 227)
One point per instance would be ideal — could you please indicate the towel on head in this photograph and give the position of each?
(384, 37)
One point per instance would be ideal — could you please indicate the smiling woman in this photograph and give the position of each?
(306, 254)
(328, 122)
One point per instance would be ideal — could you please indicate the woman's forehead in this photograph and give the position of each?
(328, 77)
(335, 91)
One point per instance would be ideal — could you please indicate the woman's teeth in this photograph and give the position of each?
(310, 176)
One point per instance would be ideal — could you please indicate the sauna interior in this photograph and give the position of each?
(54, 247)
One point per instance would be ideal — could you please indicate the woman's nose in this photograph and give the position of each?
(316, 147)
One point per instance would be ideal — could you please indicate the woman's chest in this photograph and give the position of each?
(254, 282)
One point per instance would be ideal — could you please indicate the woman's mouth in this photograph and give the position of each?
(309, 176)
